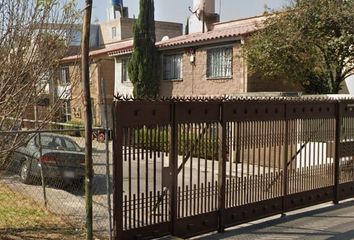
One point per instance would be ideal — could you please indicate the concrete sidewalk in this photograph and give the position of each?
(325, 221)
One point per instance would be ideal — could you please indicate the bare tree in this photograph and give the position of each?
(34, 36)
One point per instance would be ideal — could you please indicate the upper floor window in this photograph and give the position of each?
(67, 111)
(173, 67)
(114, 32)
(125, 74)
(219, 62)
(92, 69)
(64, 76)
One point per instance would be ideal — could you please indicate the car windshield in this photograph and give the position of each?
(59, 143)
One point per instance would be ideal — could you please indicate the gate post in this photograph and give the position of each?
(336, 153)
(117, 175)
(173, 167)
(222, 168)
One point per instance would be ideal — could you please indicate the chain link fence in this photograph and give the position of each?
(48, 167)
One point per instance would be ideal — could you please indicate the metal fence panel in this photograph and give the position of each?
(203, 165)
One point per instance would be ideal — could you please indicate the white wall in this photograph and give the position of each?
(350, 84)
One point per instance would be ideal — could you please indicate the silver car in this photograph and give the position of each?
(61, 159)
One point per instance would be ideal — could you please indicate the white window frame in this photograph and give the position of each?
(64, 78)
(124, 71)
(176, 72)
(43, 85)
(218, 66)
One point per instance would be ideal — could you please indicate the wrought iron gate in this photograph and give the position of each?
(186, 167)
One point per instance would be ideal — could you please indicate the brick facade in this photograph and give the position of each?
(195, 81)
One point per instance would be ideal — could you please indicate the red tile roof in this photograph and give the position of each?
(126, 44)
(220, 31)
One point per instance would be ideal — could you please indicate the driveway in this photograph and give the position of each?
(325, 221)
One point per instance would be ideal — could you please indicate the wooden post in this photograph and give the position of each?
(85, 64)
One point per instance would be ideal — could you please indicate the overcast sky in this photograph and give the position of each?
(177, 10)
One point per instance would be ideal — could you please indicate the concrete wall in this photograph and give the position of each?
(124, 30)
(105, 36)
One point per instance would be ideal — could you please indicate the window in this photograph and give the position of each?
(173, 67)
(64, 75)
(125, 74)
(92, 72)
(114, 32)
(43, 85)
(93, 108)
(67, 111)
(219, 62)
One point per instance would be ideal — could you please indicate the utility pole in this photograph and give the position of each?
(85, 61)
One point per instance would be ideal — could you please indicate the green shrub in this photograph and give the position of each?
(75, 128)
(188, 143)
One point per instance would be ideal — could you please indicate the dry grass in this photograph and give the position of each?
(21, 218)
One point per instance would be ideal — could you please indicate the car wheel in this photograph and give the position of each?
(25, 174)
(78, 184)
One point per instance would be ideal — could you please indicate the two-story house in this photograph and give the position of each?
(208, 61)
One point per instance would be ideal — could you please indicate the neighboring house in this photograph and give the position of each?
(101, 75)
(68, 75)
(102, 68)
(50, 90)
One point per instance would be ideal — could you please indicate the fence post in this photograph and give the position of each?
(222, 168)
(108, 182)
(336, 153)
(174, 167)
(106, 141)
(41, 169)
(285, 168)
(117, 176)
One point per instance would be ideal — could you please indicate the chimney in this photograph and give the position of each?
(203, 16)
(117, 5)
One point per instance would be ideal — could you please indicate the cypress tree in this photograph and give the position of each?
(143, 62)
